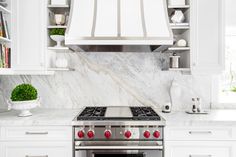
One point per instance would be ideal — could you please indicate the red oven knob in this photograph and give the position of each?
(107, 134)
(146, 134)
(90, 134)
(128, 134)
(156, 134)
(80, 134)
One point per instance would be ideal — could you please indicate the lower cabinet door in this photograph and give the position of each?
(36, 149)
(199, 149)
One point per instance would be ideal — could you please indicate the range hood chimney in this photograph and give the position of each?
(119, 23)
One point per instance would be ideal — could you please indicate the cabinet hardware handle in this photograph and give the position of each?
(37, 156)
(36, 133)
(200, 155)
(200, 132)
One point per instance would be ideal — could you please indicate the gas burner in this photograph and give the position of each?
(144, 113)
(91, 113)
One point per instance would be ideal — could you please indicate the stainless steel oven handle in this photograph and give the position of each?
(79, 147)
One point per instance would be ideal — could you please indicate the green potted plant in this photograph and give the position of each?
(57, 35)
(23, 98)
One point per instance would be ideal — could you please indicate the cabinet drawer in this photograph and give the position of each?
(37, 133)
(198, 134)
(37, 149)
(199, 149)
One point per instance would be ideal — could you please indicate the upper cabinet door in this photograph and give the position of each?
(207, 36)
(29, 26)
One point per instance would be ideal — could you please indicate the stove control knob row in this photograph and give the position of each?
(107, 134)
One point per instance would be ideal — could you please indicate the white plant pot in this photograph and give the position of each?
(58, 39)
(23, 106)
(59, 2)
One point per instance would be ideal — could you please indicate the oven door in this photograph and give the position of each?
(118, 149)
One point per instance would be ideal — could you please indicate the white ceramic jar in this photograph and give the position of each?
(176, 2)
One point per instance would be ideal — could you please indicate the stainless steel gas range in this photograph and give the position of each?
(118, 132)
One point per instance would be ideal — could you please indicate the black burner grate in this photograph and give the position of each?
(91, 113)
(144, 113)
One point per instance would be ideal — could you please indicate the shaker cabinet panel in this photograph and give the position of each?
(29, 34)
(199, 149)
(208, 36)
(36, 149)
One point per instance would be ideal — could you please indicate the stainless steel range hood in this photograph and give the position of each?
(118, 22)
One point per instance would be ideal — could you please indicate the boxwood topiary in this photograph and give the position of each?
(57, 31)
(24, 92)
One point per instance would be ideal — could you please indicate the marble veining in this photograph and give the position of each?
(116, 79)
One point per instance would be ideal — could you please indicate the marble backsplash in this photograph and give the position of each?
(115, 79)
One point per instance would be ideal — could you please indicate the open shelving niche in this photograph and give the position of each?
(6, 11)
(180, 31)
(52, 51)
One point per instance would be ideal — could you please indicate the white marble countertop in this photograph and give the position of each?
(40, 117)
(215, 117)
(64, 117)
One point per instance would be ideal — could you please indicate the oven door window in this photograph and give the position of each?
(118, 155)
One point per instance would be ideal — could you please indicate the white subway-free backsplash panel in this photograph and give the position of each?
(116, 79)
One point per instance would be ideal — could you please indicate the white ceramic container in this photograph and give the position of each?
(60, 19)
(176, 2)
(58, 39)
(23, 106)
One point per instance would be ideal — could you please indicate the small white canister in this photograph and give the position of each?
(176, 2)
(174, 61)
(59, 2)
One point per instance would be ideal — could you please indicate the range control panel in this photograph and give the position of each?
(118, 133)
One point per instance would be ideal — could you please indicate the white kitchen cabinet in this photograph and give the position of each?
(200, 141)
(199, 149)
(207, 37)
(36, 149)
(200, 134)
(36, 141)
(29, 29)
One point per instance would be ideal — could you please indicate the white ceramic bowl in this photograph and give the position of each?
(58, 39)
(23, 106)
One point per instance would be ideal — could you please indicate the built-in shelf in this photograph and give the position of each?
(50, 27)
(179, 48)
(6, 71)
(61, 69)
(4, 10)
(179, 24)
(2, 39)
(179, 27)
(179, 7)
(58, 6)
(180, 69)
(58, 48)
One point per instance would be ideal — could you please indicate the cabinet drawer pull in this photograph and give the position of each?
(200, 132)
(37, 156)
(200, 155)
(36, 133)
